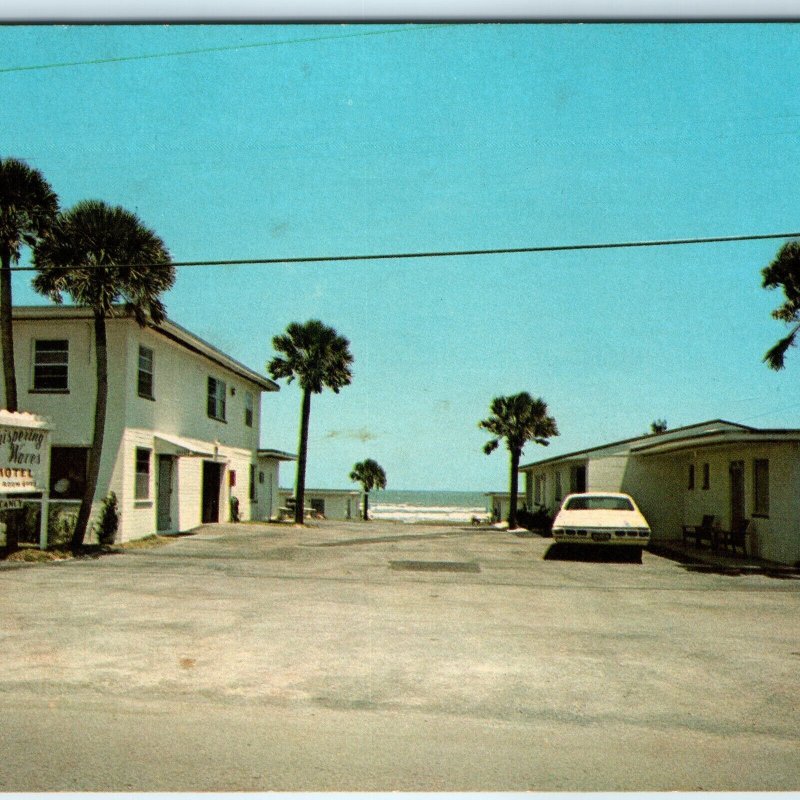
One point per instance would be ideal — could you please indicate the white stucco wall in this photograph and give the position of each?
(179, 410)
(339, 504)
(776, 537)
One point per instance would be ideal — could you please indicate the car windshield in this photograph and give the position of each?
(599, 503)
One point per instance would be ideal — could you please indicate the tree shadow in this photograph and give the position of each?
(595, 553)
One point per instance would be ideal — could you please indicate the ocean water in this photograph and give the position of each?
(426, 506)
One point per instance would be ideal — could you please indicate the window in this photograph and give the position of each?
(216, 399)
(761, 487)
(538, 490)
(145, 378)
(142, 473)
(599, 503)
(68, 472)
(252, 483)
(248, 409)
(577, 479)
(690, 484)
(559, 491)
(318, 505)
(50, 365)
(706, 476)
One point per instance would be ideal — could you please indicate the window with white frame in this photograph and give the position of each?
(248, 409)
(142, 490)
(51, 365)
(145, 374)
(216, 399)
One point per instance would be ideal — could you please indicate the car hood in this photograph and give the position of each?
(599, 519)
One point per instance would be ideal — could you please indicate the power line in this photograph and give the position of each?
(451, 253)
(222, 49)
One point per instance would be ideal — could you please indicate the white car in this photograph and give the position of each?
(601, 518)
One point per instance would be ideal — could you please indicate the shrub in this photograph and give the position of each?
(235, 509)
(60, 524)
(539, 520)
(108, 522)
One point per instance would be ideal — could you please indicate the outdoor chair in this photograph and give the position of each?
(704, 532)
(736, 537)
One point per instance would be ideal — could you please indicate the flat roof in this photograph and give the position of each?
(169, 329)
(280, 455)
(650, 439)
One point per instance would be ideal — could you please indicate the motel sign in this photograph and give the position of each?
(25, 462)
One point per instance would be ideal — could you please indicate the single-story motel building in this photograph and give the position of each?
(498, 504)
(339, 504)
(182, 431)
(718, 468)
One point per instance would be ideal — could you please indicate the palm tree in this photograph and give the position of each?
(28, 207)
(370, 475)
(784, 271)
(107, 260)
(517, 419)
(318, 357)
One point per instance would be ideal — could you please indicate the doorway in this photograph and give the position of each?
(164, 496)
(737, 492)
(212, 483)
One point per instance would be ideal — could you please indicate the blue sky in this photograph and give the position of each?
(451, 137)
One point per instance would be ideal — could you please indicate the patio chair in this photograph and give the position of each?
(704, 532)
(736, 537)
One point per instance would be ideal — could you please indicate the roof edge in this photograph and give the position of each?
(169, 328)
(642, 438)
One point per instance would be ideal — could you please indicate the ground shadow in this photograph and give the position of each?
(786, 574)
(597, 553)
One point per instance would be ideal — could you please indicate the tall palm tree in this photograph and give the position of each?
(28, 207)
(784, 271)
(318, 357)
(107, 260)
(518, 419)
(370, 475)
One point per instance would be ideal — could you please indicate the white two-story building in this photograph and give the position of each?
(182, 426)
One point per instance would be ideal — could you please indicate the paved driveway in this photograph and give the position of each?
(380, 656)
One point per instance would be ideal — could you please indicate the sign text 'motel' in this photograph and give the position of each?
(21, 459)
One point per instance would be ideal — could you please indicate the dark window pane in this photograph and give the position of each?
(142, 473)
(145, 376)
(50, 364)
(216, 398)
(68, 472)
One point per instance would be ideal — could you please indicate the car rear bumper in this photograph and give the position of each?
(613, 537)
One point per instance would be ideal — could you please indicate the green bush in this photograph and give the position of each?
(539, 520)
(60, 524)
(235, 509)
(108, 522)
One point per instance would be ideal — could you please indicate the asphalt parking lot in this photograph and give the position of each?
(380, 656)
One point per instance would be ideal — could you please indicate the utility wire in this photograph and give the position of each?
(449, 253)
(226, 48)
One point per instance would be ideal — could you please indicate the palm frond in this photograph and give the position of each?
(105, 258)
(518, 419)
(313, 353)
(370, 474)
(775, 356)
